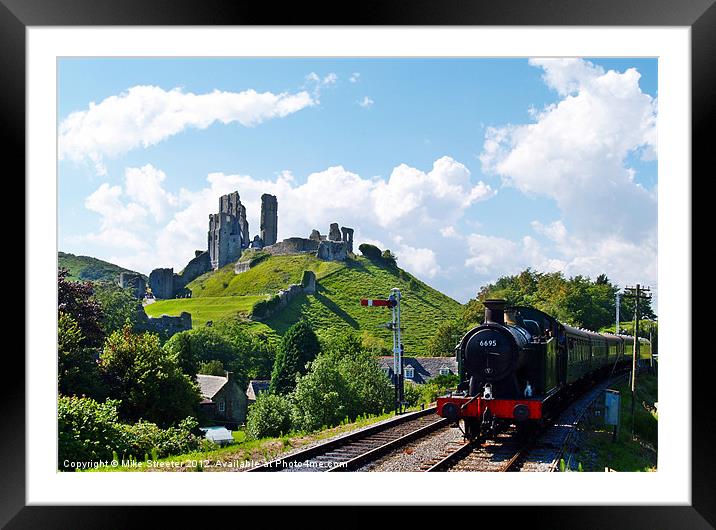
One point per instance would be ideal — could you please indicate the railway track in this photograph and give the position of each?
(498, 455)
(356, 449)
(508, 453)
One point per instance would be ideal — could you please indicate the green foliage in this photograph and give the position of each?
(91, 431)
(76, 299)
(119, 307)
(343, 382)
(147, 438)
(437, 386)
(370, 251)
(77, 373)
(442, 342)
(297, 347)
(147, 379)
(389, 257)
(270, 415)
(85, 268)
(87, 430)
(211, 368)
(411, 393)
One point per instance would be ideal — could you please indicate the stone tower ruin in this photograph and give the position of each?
(269, 219)
(228, 231)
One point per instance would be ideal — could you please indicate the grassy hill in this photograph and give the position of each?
(86, 268)
(204, 308)
(336, 304)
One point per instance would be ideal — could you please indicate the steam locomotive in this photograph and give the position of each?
(522, 365)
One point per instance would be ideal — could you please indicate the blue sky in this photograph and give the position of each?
(467, 169)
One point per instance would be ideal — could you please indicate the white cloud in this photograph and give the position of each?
(420, 261)
(144, 186)
(366, 102)
(575, 152)
(146, 115)
(355, 77)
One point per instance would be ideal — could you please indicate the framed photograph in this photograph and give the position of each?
(255, 238)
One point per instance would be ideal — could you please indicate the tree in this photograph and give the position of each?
(270, 415)
(343, 382)
(76, 299)
(202, 345)
(389, 257)
(442, 342)
(370, 251)
(119, 306)
(77, 370)
(298, 346)
(147, 379)
(211, 368)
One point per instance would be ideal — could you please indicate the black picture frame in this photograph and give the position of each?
(699, 15)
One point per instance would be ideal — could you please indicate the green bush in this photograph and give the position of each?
(87, 430)
(370, 251)
(270, 415)
(343, 383)
(90, 431)
(147, 438)
(147, 379)
(411, 393)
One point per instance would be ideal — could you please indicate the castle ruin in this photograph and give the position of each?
(228, 231)
(269, 219)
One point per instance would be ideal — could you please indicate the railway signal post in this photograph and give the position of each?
(393, 302)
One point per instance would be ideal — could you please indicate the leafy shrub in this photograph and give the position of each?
(87, 430)
(411, 393)
(147, 438)
(344, 382)
(270, 415)
(147, 379)
(211, 368)
(91, 431)
(370, 251)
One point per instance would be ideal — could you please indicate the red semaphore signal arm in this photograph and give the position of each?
(383, 303)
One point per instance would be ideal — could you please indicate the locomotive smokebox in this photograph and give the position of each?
(495, 311)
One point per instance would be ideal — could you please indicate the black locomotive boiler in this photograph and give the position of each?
(521, 365)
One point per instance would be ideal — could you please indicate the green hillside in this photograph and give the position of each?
(271, 274)
(204, 308)
(86, 268)
(336, 304)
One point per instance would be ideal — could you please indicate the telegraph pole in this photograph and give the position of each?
(638, 294)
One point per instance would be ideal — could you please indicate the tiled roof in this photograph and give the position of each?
(425, 368)
(210, 384)
(256, 386)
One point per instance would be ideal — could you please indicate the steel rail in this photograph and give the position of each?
(282, 463)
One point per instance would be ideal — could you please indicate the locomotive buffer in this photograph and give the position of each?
(393, 302)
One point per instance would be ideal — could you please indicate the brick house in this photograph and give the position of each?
(223, 402)
(420, 370)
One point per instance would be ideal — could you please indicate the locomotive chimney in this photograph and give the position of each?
(495, 311)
